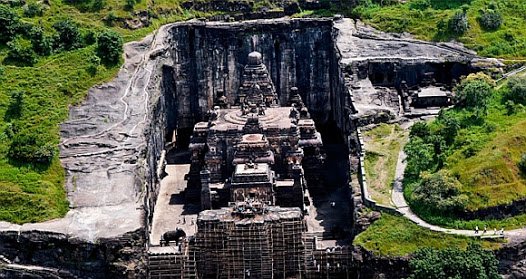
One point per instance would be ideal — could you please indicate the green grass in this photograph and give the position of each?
(382, 145)
(509, 41)
(396, 236)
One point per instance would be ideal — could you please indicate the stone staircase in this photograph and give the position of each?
(164, 264)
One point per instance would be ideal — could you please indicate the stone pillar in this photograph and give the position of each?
(206, 202)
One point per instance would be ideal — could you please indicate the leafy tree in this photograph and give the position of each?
(9, 23)
(109, 47)
(458, 23)
(517, 90)
(21, 52)
(420, 157)
(68, 35)
(473, 94)
(420, 129)
(440, 192)
(490, 20)
(522, 164)
(475, 262)
(450, 126)
(33, 9)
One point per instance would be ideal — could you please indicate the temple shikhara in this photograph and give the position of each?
(253, 152)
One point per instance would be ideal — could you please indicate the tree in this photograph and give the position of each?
(440, 192)
(420, 157)
(68, 35)
(475, 262)
(21, 52)
(517, 90)
(458, 23)
(109, 47)
(9, 23)
(473, 94)
(420, 129)
(490, 20)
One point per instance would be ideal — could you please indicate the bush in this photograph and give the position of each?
(21, 52)
(522, 163)
(440, 192)
(475, 262)
(9, 23)
(41, 42)
(458, 23)
(110, 19)
(516, 90)
(420, 5)
(109, 47)
(490, 20)
(68, 35)
(473, 93)
(15, 106)
(28, 146)
(33, 9)
(420, 129)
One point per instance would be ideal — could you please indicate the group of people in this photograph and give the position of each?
(501, 231)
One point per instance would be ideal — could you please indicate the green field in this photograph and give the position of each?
(422, 18)
(393, 235)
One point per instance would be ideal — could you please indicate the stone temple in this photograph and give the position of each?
(254, 165)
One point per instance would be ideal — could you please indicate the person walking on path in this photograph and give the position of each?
(485, 229)
(476, 229)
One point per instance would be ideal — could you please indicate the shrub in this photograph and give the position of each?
(21, 52)
(110, 19)
(15, 106)
(440, 192)
(33, 9)
(475, 262)
(420, 129)
(98, 5)
(109, 47)
(490, 20)
(41, 42)
(420, 157)
(68, 35)
(9, 23)
(458, 23)
(28, 146)
(522, 163)
(419, 5)
(516, 90)
(473, 93)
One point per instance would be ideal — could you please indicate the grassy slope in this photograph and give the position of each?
(30, 192)
(396, 236)
(490, 176)
(507, 42)
(382, 145)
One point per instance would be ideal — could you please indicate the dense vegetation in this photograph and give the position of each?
(396, 236)
(474, 262)
(491, 27)
(470, 157)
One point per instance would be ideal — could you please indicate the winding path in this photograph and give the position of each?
(401, 205)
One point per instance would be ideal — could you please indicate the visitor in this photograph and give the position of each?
(501, 231)
(494, 231)
(485, 229)
(476, 229)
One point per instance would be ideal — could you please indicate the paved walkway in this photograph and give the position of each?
(400, 203)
